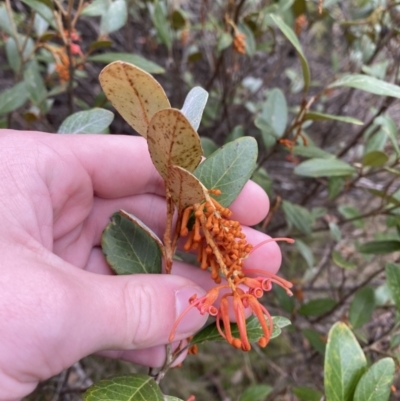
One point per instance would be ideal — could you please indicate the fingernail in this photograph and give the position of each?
(193, 320)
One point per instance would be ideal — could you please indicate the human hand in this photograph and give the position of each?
(59, 300)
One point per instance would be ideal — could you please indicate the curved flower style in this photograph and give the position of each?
(222, 247)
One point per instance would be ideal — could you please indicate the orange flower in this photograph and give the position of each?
(222, 247)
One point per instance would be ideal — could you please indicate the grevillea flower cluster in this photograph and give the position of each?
(222, 247)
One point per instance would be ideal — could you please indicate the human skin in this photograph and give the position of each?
(59, 300)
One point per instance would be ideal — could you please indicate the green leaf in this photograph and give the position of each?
(208, 145)
(115, 17)
(254, 330)
(375, 383)
(345, 362)
(250, 41)
(171, 398)
(335, 232)
(178, 19)
(380, 247)
(298, 217)
(291, 36)
(92, 121)
(340, 261)
(97, 8)
(367, 84)
(12, 53)
(307, 393)
(40, 25)
(383, 295)
(324, 168)
(305, 252)
(224, 41)
(236, 133)
(125, 388)
(362, 307)
(274, 111)
(194, 105)
(162, 25)
(256, 392)
(390, 128)
(317, 307)
(311, 152)
(43, 10)
(261, 177)
(393, 280)
(35, 84)
(13, 98)
(285, 302)
(267, 133)
(315, 339)
(139, 61)
(131, 247)
(5, 22)
(229, 168)
(350, 212)
(335, 186)
(375, 158)
(315, 116)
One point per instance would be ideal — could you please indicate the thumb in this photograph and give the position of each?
(132, 312)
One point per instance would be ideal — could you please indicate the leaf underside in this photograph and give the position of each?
(134, 93)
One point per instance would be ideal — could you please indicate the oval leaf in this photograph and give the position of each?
(345, 362)
(253, 327)
(13, 98)
(324, 168)
(87, 122)
(185, 188)
(208, 145)
(362, 307)
(393, 280)
(134, 93)
(274, 112)
(138, 61)
(125, 388)
(291, 36)
(194, 105)
(315, 116)
(256, 392)
(367, 84)
(375, 384)
(380, 247)
(130, 247)
(317, 307)
(115, 18)
(173, 141)
(229, 168)
(375, 158)
(298, 216)
(307, 393)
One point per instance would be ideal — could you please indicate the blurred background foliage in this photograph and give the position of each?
(316, 83)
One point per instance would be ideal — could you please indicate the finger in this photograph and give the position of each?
(118, 165)
(153, 357)
(251, 206)
(129, 312)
